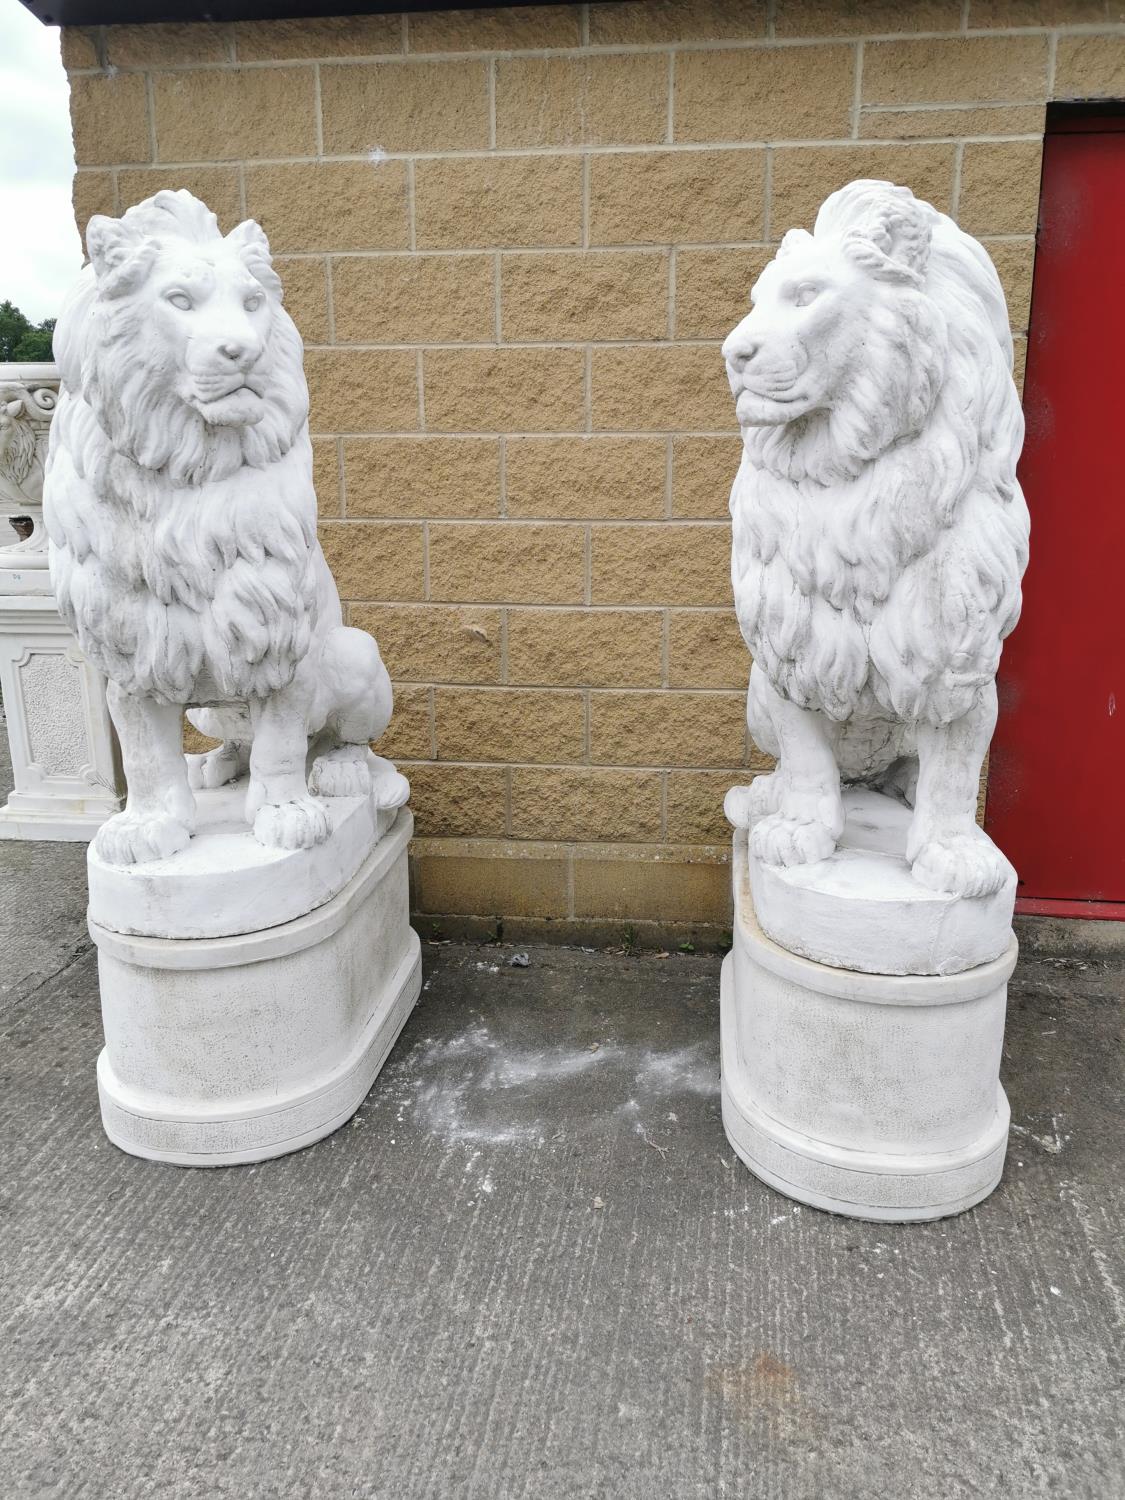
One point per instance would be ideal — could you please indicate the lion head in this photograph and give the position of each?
(176, 337)
(179, 497)
(846, 347)
(879, 531)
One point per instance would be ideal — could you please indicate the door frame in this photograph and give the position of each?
(1091, 117)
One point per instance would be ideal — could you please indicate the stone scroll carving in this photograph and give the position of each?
(880, 534)
(182, 521)
(28, 397)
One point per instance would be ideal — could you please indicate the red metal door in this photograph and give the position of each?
(1056, 794)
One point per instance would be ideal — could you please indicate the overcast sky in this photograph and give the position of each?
(40, 254)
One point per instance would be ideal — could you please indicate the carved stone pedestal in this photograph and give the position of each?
(867, 1094)
(64, 762)
(242, 1045)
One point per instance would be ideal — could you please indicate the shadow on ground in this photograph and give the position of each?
(531, 1266)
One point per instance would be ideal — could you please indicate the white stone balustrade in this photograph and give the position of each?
(66, 772)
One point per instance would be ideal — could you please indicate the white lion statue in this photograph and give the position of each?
(182, 521)
(880, 534)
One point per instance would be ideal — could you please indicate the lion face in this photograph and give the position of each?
(199, 299)
(177, 339)
(844, 352)
(793, 353)
(210, 319)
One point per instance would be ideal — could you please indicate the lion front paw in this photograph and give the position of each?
(781, 840)
(132, 838)
(291, 825)
(963, 864)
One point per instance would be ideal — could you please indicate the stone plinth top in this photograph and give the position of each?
(225, 882)
(862, 909)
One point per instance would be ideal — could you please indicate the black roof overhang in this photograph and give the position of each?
(143, 12)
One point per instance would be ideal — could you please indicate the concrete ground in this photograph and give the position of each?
(531, 1267)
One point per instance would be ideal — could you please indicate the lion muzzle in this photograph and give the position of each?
(223, 397)
(240, 408)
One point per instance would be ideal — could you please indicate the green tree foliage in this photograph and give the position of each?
(20, 338)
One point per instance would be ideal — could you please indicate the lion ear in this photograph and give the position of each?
(792, 240)
(249, 240)
(120, 256)
(249, 236)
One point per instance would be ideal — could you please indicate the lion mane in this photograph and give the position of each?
(879, 541)
(182, 553)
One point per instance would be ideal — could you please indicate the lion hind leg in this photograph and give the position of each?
(228, 761)
(757, 799)
(353, 771)
(354, 695)
(343, 771)
(359, 702)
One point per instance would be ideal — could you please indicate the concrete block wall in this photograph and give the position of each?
(513, 241)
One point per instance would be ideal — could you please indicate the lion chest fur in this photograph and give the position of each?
(888, 594)
(185, 594)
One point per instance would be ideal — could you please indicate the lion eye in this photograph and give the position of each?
(180, 300)
(805, 294)
(253, 302)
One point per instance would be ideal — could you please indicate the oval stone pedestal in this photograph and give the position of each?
(232, 1049)
(871, 1095)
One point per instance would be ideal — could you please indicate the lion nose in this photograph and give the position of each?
(742, 352)
(231, 349)
(741, 344)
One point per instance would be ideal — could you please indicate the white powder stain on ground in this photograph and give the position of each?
(450, 1086)
(687, 1070)
(1052, 1143)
